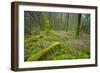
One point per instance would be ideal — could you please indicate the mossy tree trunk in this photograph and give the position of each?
(78, 26)
(46, 23)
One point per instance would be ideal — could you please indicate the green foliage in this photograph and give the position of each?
(52, 36)
(70, 47)
(42, 52)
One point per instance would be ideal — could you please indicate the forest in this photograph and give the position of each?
(56, 36)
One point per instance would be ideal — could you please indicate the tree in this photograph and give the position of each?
(85, 25)
(67, 22)
(46, 23)
(78, 26)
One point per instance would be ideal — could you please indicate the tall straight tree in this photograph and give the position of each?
(67, 22)
(78, 26)
(46, 23)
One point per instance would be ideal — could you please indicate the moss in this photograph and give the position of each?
(42, 52)
(70, 48)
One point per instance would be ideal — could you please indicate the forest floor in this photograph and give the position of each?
(56, 45)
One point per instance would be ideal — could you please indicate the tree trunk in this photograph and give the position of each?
(67, 22)
(46, 21)
(78, 26)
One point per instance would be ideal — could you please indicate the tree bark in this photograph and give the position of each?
(78, 26)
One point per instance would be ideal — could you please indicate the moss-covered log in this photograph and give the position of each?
(42, 52)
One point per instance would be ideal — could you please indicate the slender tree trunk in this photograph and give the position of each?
(67, 22)
(78, 26)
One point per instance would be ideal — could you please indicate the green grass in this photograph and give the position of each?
(40, 46)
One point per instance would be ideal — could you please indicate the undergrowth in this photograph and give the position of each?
(37, 47)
